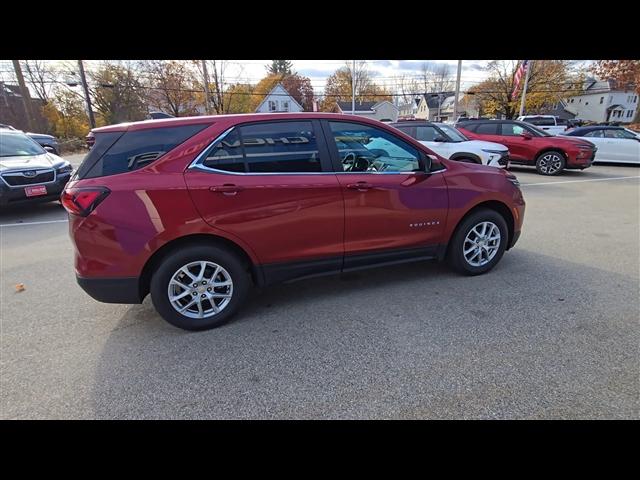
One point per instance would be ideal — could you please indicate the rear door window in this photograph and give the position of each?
(138, 148)
(487, 129)
(268, 147)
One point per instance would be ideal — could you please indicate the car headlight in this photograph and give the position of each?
(65, 168)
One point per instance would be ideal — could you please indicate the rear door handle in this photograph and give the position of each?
(361, 186)
(226, 189)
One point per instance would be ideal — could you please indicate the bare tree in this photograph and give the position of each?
(41, 77)
(217, 72)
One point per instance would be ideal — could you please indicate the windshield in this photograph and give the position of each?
(453, 133)
(12, 145)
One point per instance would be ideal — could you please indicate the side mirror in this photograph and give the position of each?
(49, 149)
(526, 135)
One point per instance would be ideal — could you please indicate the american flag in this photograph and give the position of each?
(519, 74)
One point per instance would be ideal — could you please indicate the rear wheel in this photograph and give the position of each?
(478, 243)
(550, 163)
(199, 287)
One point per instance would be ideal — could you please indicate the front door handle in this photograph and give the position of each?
(360, 186)
(227, 189)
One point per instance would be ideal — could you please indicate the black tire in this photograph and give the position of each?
(455, 252)
(170, 264)
(550, 163)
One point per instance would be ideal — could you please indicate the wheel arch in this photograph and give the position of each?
(495, 205)
(458, 155)
(193, 239)
(552, 149)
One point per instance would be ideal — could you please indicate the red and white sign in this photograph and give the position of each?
(35, 190)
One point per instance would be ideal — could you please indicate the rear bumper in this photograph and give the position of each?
(112, 290)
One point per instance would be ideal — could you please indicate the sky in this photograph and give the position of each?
(384, 72)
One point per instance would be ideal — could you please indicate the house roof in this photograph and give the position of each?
(360, 106)
(433, 99)
(272, 90)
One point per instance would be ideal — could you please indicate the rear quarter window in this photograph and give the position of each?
(132, 150)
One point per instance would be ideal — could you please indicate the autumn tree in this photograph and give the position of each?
(238, 98)
(298, 86)
(549, 82)
(66, 114)
(280, 67)
(172, 87)
(626, 74)
(339, 86)
(117, 94)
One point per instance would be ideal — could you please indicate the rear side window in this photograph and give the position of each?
(427, 134)
(487, 129)
(136, 149)
(273, 147)
(103, 142)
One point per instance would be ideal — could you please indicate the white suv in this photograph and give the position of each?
(549, 123)
(449, 142)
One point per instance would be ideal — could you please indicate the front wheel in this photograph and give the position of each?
(550, 163)
(199, 287)
(478, 243)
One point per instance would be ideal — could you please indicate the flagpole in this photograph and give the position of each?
(524, 90)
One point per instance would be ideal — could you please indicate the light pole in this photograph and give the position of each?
(353, 88)
(85, 87)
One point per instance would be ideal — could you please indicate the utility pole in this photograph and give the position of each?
(455, 101)
(85, 87)
(353, 88)
(524, 90)
(24, 91)
(206, 87)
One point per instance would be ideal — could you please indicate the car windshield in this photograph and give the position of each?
(12, 145)
(453, 133)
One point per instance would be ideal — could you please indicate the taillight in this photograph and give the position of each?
(82, 201)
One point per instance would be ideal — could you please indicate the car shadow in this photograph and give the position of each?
(27, 212)
(532, 339)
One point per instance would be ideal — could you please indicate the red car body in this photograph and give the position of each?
(284, 226)
(525, 149)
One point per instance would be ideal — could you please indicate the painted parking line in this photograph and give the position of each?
(578, 181)
(24, 224)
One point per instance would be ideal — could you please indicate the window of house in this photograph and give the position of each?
(273, 105)
(367, 149)
(268, 147)
(285, 106)
(580, 101)
(601, 100)
(586, 103)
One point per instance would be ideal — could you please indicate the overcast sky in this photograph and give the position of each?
(385, 72)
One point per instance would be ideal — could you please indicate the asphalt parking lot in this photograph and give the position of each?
(552, 332)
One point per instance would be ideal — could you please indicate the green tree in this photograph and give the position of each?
(280, 67)
(117, 94)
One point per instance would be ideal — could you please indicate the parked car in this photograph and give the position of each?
(28, 172)
(49, 142)
(194, 210)
(549, 123)
(451, 143)
(529, 145)
(615, 144)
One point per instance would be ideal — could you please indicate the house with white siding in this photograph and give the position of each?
(279, 100)
(384, 111)
(604, 101)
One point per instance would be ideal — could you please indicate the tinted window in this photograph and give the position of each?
(617, 134)
(487, 129)
(512, 129)
(409, 130)
(227, 154)
(594, 133)
(426, 134)
(368, 149)
(102, 143)
(138, 148)
(274, 147)
(540, 121)
(471, 127)
(280, 147)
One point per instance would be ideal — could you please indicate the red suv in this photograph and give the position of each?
(528, 145)
(195, 210)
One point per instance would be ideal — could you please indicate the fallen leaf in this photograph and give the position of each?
(20, 287)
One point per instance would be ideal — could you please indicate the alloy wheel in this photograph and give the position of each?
(481, 244)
